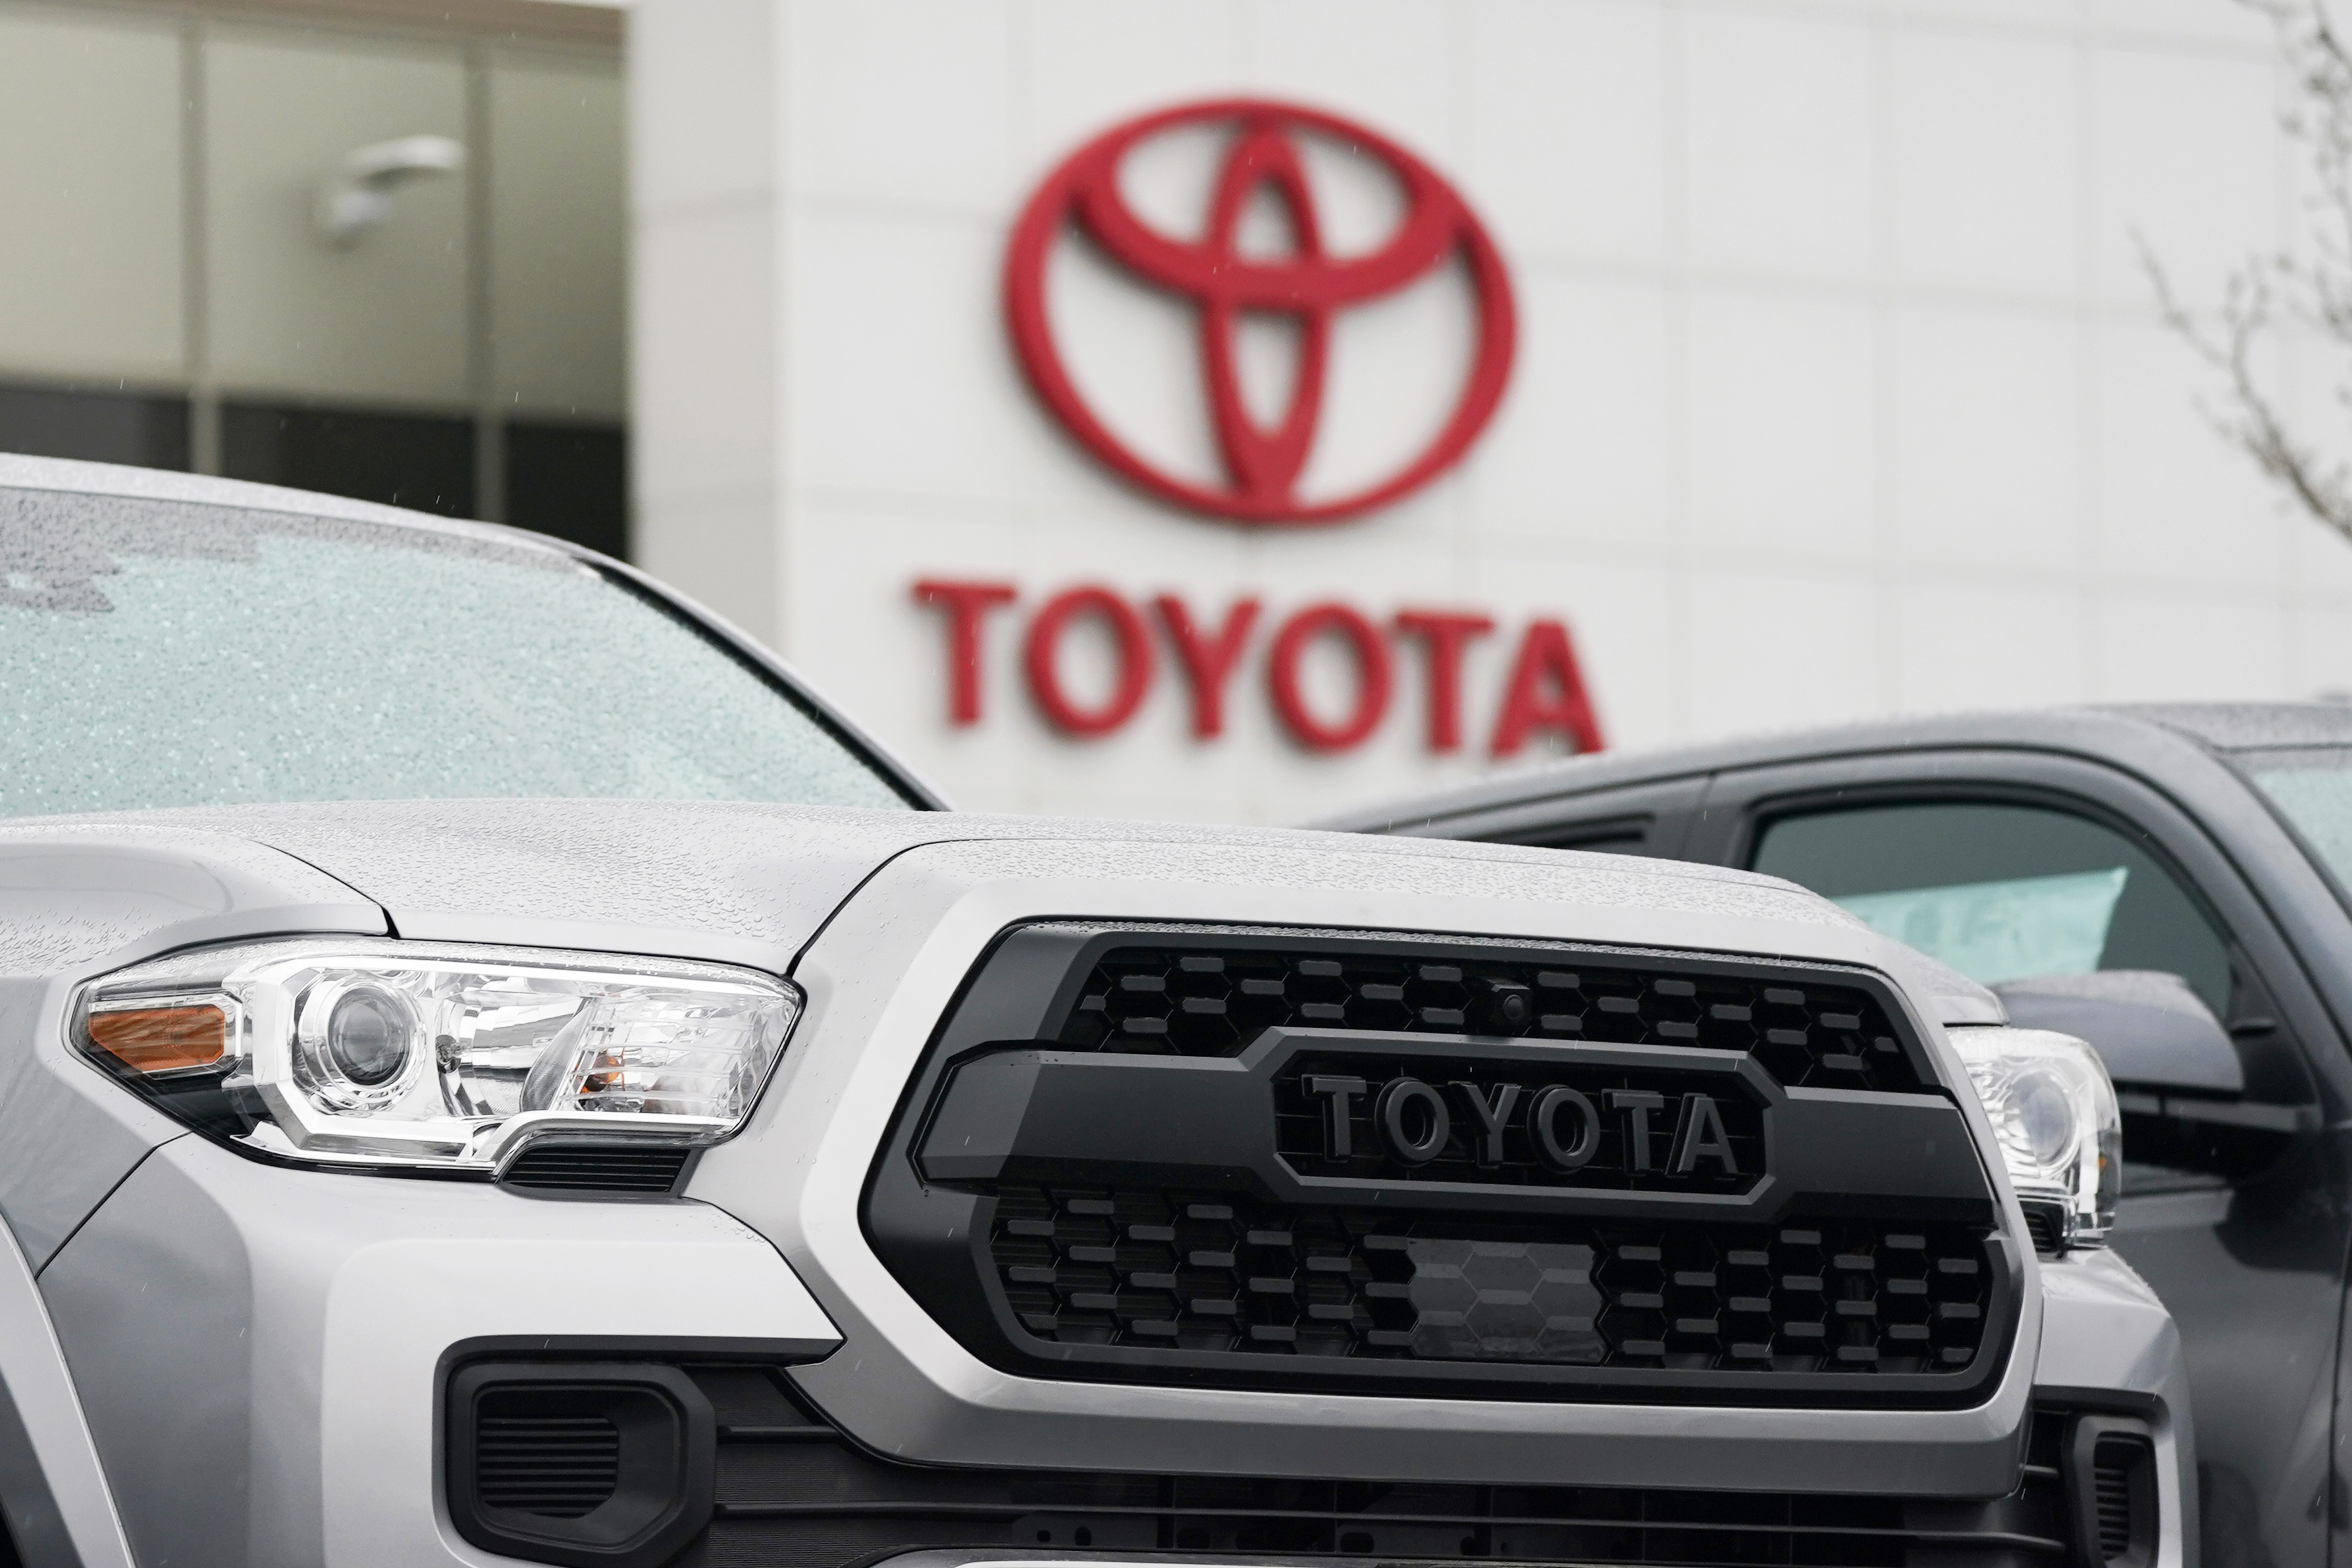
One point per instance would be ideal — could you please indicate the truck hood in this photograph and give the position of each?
(752, 884)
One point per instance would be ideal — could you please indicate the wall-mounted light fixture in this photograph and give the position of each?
(358, 195)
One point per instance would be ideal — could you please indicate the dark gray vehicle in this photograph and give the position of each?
(2131, 875)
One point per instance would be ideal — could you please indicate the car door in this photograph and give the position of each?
(2011, 864)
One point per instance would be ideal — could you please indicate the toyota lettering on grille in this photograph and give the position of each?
(1416, 1122)
(1586, 1116)
(1398, 1118)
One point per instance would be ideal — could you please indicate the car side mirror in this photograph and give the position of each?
(2149, 1028)
(2179, 1079)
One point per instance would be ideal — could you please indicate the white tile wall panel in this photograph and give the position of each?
(2318, 562)
(1987, 418)
(1570, 127)
(1779, 648)
(2058, 18)
(1085, 65)
(703, 356)
(1837, 391)
(2173, 502)
(1594, 396)
(2179, 22)
(939, 423)
(1783, 448)
(2319, 651)
(1392, 62)
(1990, 640)
(1778, 142)
(2185, 157)
(870, 86)
(1983, 191)
(724, 546)
(2311, 375)
(2186, 647)
(714, 79)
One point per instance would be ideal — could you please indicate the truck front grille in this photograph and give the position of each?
(781, 1487)
(558, 1467)
(1375, 1162)
(1228, 1274)
(1211, 996)
(792, 1493)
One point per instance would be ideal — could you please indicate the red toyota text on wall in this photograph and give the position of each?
(1543, 696)
(1309, 284)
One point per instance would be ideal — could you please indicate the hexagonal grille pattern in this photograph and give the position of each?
(1219, 1272)
(1213, 1000)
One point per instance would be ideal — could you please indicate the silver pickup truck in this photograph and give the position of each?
(492, 1070)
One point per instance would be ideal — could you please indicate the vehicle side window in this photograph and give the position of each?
(1604, 839)
(2002, 891)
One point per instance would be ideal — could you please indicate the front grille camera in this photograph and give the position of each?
(1505, 1006)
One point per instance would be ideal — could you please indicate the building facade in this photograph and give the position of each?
(1837, 386)
(171, 295)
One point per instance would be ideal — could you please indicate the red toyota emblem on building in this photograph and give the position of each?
(1309, 285)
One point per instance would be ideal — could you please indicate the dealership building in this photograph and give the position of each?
(1232, 409)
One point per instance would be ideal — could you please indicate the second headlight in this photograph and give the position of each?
(2054, 1116)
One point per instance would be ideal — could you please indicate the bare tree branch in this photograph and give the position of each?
(2275, 295)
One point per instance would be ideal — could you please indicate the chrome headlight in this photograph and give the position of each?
(426, 1055)
(2054, 1113)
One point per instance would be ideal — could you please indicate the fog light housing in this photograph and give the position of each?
(593, 1463)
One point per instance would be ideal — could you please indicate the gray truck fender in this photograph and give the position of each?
(51, 1486)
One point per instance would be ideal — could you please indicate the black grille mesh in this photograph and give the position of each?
(2112, 1498)
(2122, 1499)
(1211, 1001)
(793, 1494)
(558, 1467)
(1225, 1273)
(603, 1167)
(2046, 1222)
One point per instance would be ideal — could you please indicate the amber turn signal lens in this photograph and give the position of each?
(162, 1040)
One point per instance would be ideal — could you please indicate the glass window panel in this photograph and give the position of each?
(2007, 930)
(387, 318)
(156, 654)
(2312, 785)
(425, 464)
(2001, 892)
(570, 481)
(95, 427)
